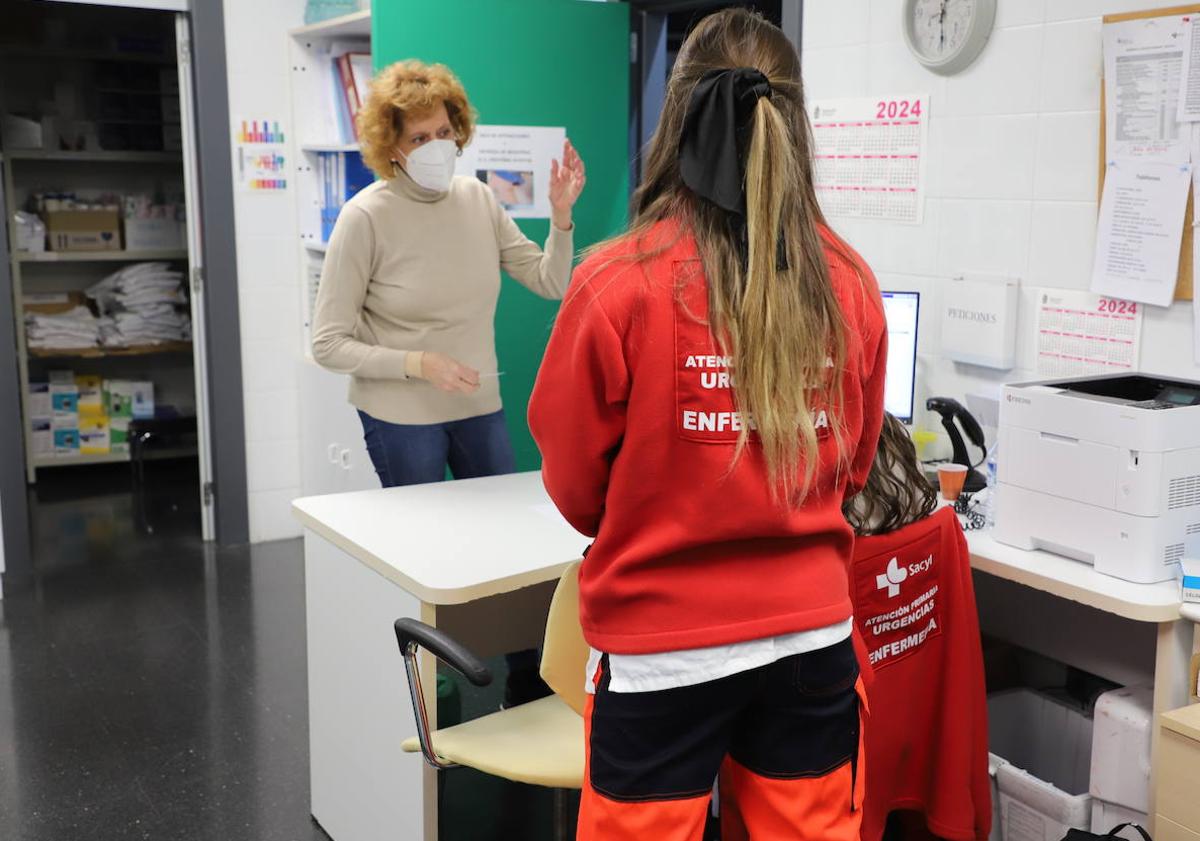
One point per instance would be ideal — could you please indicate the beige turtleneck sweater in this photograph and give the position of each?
(409, 270)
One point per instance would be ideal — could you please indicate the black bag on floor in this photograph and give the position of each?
(1081, 835)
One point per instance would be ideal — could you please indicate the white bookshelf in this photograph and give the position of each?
(356, 25)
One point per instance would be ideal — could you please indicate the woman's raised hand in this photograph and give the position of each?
(566, 183)
(445, 374)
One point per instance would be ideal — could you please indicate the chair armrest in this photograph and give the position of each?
(411, 632)
(411, 635)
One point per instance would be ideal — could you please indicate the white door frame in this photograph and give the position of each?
(191, 191)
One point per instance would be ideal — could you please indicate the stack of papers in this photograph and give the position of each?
(71, 330)
(145, 304)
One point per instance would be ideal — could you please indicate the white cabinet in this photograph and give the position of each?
(334, 456)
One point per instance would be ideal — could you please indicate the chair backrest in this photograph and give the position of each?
(565, 653)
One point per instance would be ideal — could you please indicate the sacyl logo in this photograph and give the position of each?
(892, 578)
(972, 315)
(1024, 401)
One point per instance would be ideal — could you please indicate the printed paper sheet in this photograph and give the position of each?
(1140, 230)
(1143, 68)
(870, 156)
(515, 162)
(1081, 333)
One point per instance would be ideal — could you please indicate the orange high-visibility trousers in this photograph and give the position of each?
(786, 739)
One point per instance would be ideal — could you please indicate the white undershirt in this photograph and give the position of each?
(672, 669)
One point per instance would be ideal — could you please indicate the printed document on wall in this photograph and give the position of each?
(1081, 333)
(1189, 88)
(1143, 67)
(1140, 230)
(515, 162)
(870, 155)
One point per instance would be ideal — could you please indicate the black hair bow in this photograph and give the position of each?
(714, 143)
(716, 132)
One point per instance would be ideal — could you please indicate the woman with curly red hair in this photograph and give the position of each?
(408, 293)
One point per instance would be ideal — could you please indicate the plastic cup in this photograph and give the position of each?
(951, 478)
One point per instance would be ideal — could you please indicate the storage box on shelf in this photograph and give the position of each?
(1178, 807)
(1042, 752)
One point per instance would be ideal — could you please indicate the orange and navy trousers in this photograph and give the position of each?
(785, 738)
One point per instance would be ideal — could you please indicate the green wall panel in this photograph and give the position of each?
(535, 63)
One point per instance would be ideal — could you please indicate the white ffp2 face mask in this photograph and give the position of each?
(432, 166)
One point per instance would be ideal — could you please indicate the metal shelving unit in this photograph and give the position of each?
(71, 156)
(98, 256)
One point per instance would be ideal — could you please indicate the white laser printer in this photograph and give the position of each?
(1105, 470)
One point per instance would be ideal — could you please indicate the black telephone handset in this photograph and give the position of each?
(950, 409)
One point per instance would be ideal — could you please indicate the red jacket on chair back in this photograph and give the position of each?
(926, 740)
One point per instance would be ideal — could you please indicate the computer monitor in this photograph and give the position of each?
(901, 310)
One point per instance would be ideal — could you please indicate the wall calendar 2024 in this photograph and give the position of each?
(869, 156)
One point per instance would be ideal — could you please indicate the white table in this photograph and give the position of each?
(479, 558)
(1154, 605)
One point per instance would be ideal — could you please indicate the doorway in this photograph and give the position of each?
(109, 426)
(659, 28)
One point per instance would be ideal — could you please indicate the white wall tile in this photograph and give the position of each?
(271, 313)
(835, 72)
(271, 515)
(889, 251)
(1020, 12)
(1057, 10)
(1062, 243)
(836, 23)
(1003, 80)
(272, 416)
(1068, 156)
(887, 20)
(272, 465)
(268, 366)
(892, 69)
(268, 260)
(988, 237)
(1071, 67)
(987, 157)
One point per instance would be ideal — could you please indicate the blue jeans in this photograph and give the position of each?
(410, 454)
(414, 454)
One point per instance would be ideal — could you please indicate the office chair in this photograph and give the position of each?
(539, 743)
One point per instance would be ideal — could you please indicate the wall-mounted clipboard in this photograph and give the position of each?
(1184, 287)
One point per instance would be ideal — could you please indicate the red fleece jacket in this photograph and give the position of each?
(635, 420)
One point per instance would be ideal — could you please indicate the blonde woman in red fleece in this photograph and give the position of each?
(712, 392)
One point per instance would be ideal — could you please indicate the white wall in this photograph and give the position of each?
(1013, 165)
(268, 270)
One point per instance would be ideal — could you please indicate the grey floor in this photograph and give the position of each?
(153, 688)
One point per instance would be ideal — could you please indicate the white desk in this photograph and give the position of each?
(1156, 604)
(478, 558)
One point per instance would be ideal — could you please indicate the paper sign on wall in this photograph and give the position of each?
(1080, 333)
(515, 162)
(259, 156)
(1140, 230)
(1143, 68)
(870, 156)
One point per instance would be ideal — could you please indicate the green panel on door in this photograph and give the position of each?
(534, 63)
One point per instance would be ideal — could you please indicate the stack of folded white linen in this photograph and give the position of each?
(145, 304)
(71, 330)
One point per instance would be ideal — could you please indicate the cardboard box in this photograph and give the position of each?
(66, 442)
(118, 435)
(152, 234)
(52, 303)
(41, 437)
(91, 395)
(119, 398)
(94, 436)
(143, 400)
(64, 401)
(1194, 680)
(40, 406)
(83, 230)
